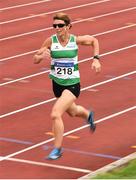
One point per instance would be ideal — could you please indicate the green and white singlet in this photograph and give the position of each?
(64, 64)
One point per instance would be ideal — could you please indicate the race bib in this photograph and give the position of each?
(64, 68)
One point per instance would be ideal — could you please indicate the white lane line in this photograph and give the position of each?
(52, 99)
(23, 78)
(98, 34)
(67, 133)
(51, 12)
(74, 22)
(109, 80)
(111, 52)
(49, 165)
(18, 55)
(81, 61)
(23, 5)
(27, 107)
(110, 166)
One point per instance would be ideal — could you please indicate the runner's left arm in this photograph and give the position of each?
(91, 41)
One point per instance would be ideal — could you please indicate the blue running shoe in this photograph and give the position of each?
(55, 154)
(91, 121)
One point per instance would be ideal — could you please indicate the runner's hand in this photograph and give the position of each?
(43, 53)
(96, 65)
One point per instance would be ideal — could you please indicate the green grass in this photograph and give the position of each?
(127, 171)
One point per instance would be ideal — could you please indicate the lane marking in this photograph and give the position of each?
(81, 61)
(52, 99)
(28, 89)
(45, 147)
(104, 15)
(27, 107)
(110, 76)
(52, 12)
(15, 140)
(127, 78)
(67, 133)
(49, 133)
(93, 90)
(44, 163)
(95, 35)
(129, 23)
(24, 81)
(18, 55)
(74, 22)
(23, 5)
(8, 79)
(73, 137)
(110, 166)
(48, 165)
(70, 136)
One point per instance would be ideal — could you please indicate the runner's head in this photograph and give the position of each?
(61, 20)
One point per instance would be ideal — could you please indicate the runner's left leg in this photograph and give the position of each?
(61, 105)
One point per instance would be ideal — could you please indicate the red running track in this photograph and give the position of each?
(114, 137)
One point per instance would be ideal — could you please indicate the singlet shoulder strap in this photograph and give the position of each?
(54, 38)
(72, 38)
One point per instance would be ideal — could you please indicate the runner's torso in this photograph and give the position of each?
(64, 64)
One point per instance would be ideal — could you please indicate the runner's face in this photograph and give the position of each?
(60, 27)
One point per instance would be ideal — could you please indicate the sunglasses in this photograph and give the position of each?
(59, 25)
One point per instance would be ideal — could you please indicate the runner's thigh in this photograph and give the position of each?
(64, 101)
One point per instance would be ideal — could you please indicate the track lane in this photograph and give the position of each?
(36, 43)
(55, 171)
(25, 65)
(32, 24)
(35, 40)
(44, 7)
(38, 88)
(36, 115)
(22, 5)
(108, 145)
(10, 3)
(41, 20)
(126, 20)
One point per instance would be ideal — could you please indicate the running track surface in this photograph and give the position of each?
(27, 98)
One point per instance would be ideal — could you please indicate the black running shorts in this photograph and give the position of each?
(58, 89)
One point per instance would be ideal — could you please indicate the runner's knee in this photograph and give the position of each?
(72, 112)
(55, 114)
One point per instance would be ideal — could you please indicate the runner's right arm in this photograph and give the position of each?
(43, 52)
